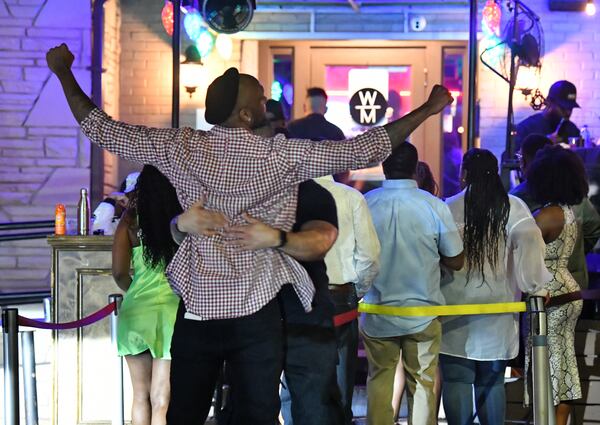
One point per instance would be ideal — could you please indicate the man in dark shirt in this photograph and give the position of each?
(562, 98)
(314, 126)
(309, 337)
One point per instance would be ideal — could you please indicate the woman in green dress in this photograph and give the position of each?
(147, 315)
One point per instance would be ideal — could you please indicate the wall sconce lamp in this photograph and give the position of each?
(193, 73)
(590, 8)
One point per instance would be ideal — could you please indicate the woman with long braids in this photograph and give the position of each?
(147, 315)
(504, 253)
(557, 180)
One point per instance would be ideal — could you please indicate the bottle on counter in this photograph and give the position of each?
(586, 136)
(83, 214)
(60, 220)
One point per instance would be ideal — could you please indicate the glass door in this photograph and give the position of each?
(370, 86)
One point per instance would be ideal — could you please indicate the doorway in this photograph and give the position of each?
(402, 71)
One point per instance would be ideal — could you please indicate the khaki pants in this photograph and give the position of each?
(420, 353)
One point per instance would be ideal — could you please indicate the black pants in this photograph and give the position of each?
(251, 345)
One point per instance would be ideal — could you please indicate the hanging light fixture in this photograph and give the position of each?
(492, 15)
(205, 42)
(193, 73)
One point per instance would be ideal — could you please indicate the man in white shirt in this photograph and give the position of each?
(352, 264)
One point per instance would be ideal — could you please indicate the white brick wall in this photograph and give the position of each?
(32, 153)
(572, 46)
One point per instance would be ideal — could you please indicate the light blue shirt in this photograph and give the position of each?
(414, 228)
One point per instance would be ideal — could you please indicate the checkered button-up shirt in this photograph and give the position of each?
(234, 172)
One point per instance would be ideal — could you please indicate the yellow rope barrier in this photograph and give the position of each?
(443, 310)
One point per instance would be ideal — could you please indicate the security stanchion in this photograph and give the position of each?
(543, 407)
(10, 327)
(119, 414)
(29, 380)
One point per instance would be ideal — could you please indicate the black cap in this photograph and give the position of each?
(221, 97)
(564, 94)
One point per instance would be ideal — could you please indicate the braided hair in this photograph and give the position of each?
(486, 211)
(156, 204)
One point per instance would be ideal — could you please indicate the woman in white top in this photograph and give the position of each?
(504, 253)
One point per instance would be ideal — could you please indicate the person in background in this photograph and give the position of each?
(417, 236)
(425, 179)
(352, 264)
(426, 182)
(147, 315)
(276, 117)
(554, 120)
(504, 253)
(557, 180)
(586, 215)
(314, 126)
(107, 214)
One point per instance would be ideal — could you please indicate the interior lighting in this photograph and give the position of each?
(224, 46)
(193, 73)
(492, 15)
(205, 42)
(590, 8)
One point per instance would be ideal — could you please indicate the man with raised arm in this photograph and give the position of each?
(228, 309)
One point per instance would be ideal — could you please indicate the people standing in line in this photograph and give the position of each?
(314, 125)
(352, 264)
(310, 346)
(557, 180)
(147, 315)
(417, 236)
(504, 253)
(426, 182)
(586, 215)
(225, 291)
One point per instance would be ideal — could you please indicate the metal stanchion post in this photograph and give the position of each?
(119, 414)
(10, 327)
(48, 309)
(543, 408)
(29, 381)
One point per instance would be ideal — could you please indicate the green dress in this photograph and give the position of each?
(147, 314)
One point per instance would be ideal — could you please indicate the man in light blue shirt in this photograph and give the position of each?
(417, 233)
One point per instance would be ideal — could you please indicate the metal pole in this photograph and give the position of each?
(543, 408)
(96, 153)
(10, 327)
(119, 418)
(29, 381)
(176, 41)
(471, 121)
(47, 309)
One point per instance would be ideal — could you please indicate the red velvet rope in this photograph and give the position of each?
(92, 318)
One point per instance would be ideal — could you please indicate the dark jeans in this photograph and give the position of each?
(347, 346)
(459, 376)
(310, 395)
(252, 347)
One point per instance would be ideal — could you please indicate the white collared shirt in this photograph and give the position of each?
(355, 255)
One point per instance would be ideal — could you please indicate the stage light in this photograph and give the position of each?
(193, 24)
(166, 16)
(205, 42)
(276, 91)
(590, 8)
